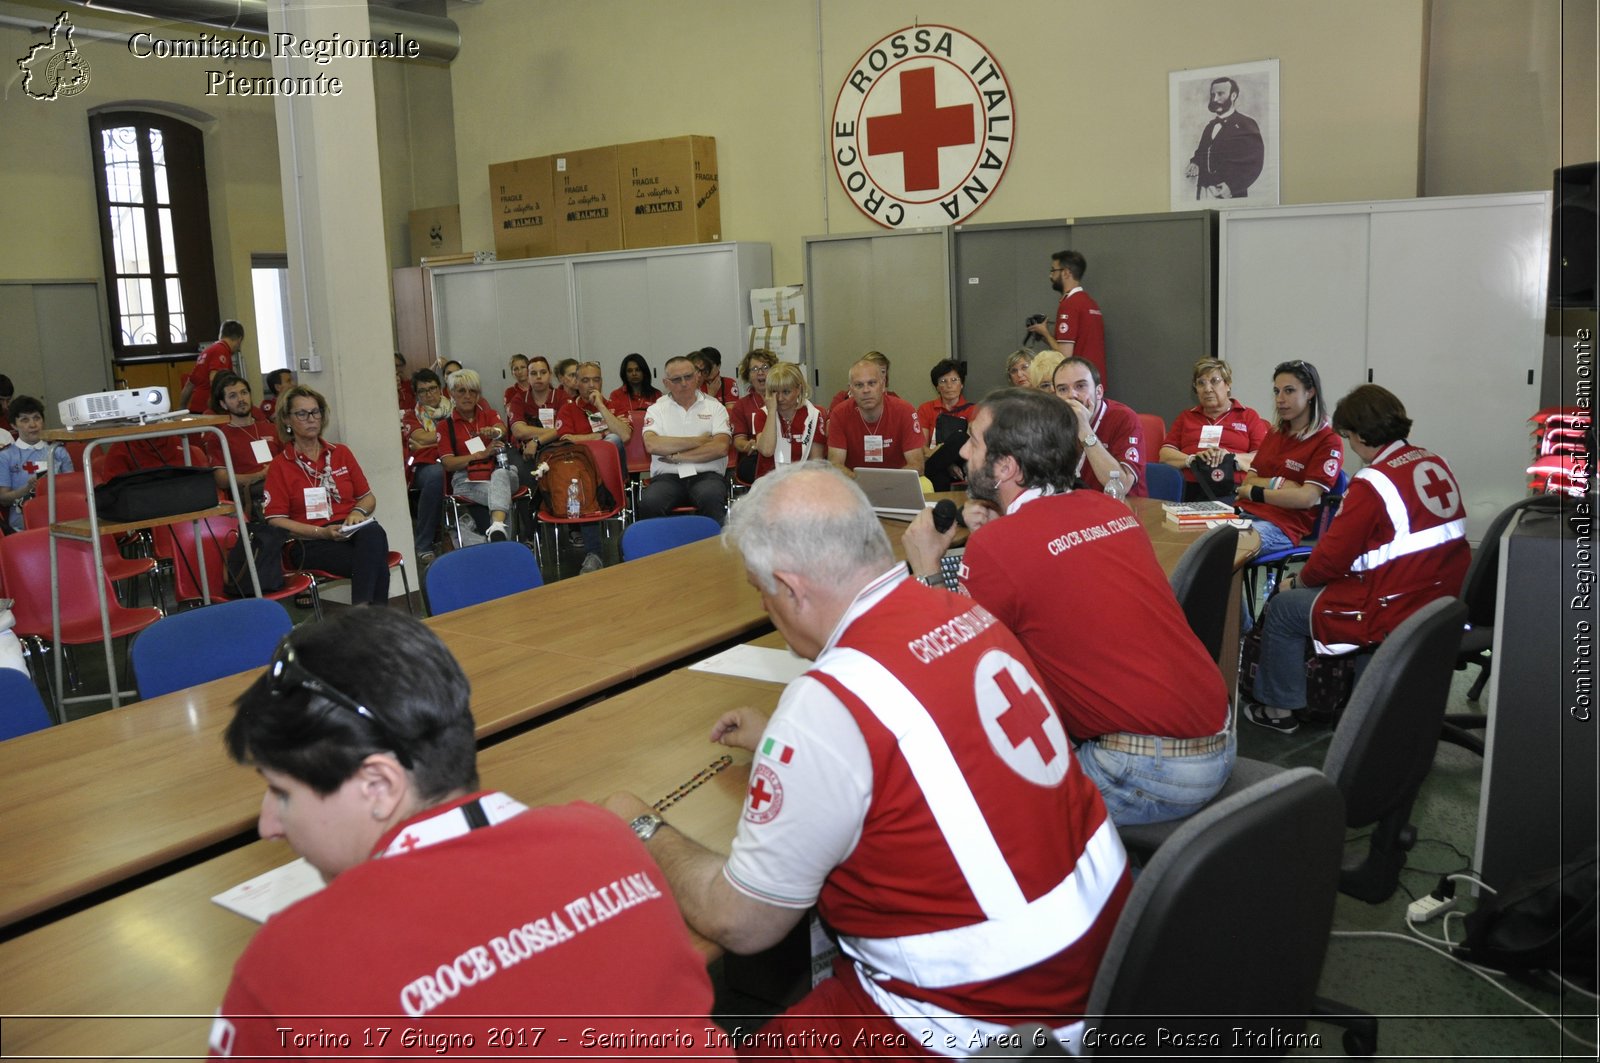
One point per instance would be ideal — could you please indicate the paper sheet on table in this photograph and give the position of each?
(755, 662)
(271, 892)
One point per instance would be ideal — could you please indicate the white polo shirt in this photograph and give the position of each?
(706, 417)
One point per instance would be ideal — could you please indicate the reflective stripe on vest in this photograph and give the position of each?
(1017, 933)
(1405, 540)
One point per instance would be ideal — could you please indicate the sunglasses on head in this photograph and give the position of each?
(289, 675)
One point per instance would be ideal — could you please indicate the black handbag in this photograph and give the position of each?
(266, 545)
(151, 494)
(1212, 483)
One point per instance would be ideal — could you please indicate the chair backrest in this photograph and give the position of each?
(22, 711)
(25, 562)
(482, 573)
(1230, 917)
(1383, 745)
(609, 465)
(1329, 507)
(1163, 481)
(638, 457)
(237, 636)
(1479, 590)
(178, 543)
(655, 534)
(1155, 430)
(1203, 584)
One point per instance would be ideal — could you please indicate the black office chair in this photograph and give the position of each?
(1381, 751)
(1228, 923)
(1202, 583)
(1480, 591)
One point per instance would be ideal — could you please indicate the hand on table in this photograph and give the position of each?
(740, 728)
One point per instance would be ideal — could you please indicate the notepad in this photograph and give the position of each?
(755, 662)
(272, 891)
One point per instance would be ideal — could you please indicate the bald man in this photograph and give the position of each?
(992, 892)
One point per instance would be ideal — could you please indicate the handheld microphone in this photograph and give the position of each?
(945, 514)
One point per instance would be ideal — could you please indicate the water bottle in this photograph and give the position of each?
(502, 459)
(574, 506)
(1114, 486)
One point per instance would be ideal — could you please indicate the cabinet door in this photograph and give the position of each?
(1002, 277)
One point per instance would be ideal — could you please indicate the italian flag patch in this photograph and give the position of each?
(777, 751)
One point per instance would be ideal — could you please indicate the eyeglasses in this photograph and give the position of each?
(306, 415)
(682, 379)
(289, 675)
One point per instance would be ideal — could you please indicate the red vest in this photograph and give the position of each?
(988, 876)
(1398, 543)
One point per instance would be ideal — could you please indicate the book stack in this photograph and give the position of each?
(1200, 515)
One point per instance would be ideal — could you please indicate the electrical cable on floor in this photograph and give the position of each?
(1551, 1019)
(1591, 994)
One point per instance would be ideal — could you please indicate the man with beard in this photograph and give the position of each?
(252, 439)
(1074, 575)
(1229, 157)
(1080, 328)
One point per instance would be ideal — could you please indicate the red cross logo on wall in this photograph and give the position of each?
(920, 129)
(766, 795)
(1438, 493)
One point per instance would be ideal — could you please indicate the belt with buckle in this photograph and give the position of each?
(1150, 746)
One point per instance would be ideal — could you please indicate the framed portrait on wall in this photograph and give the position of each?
(1224, 136)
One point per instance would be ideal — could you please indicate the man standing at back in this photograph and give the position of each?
(217, 358)
(875, 430)
(686, 433)
(1079, 328)
(1074, 575)
(915, 785)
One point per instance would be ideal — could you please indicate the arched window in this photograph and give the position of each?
(155, 232)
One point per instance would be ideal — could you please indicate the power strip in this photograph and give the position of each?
(1427, 909)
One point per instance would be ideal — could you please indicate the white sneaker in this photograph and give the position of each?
(591, 563)
(497, 532)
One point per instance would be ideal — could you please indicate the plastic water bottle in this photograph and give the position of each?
(574, 506)
(1114, 486)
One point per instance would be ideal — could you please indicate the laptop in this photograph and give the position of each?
(894, 493)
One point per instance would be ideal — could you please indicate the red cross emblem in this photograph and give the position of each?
(1438, 493)
(920, 129)
(766, 795)
(1022, 729)
(1024, 720)
(407, 843)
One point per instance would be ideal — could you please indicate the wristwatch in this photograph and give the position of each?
(645, 826)
(1092, 441)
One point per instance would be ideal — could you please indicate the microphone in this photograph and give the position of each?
(945, 514)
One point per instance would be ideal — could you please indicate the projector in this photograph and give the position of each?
(133, 404)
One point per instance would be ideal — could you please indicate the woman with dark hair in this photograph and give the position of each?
(636, 389)
(317, 493)
(753, 370)
(1298, 462)
(944, 421)
(1399, 543)
(708, 360)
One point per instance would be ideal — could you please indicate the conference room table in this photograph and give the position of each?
(165, 948)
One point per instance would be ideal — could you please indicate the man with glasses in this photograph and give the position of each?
(453, 910)
(1075, 576)
(420, 426)
(686, 433)
(1079, 328)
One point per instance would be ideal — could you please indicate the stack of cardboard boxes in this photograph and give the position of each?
(779, 316)
(654, 193)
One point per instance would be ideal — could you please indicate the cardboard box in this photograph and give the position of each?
(588, 209)
(778, 306)
(786, 341)
(669, 192)
(522, 199)
(435, 231)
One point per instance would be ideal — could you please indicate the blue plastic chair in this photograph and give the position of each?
(480, 573)
(1275, 563)
(22, 710)
(1163, 482)
(655, 534)
(235, 637)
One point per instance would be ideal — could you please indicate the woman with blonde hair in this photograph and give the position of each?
(790, 428)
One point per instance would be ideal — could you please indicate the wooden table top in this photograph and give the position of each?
(166, 950)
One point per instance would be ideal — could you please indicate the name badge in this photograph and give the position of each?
(547, 417)
(318, 507)
(1210, 436)
(597, 423)
(261, 450)
(781, 452)
(873, 446)
(475, 445)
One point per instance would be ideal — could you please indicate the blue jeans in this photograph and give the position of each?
(1155, 788)
(1285, 626)
(429, 481)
